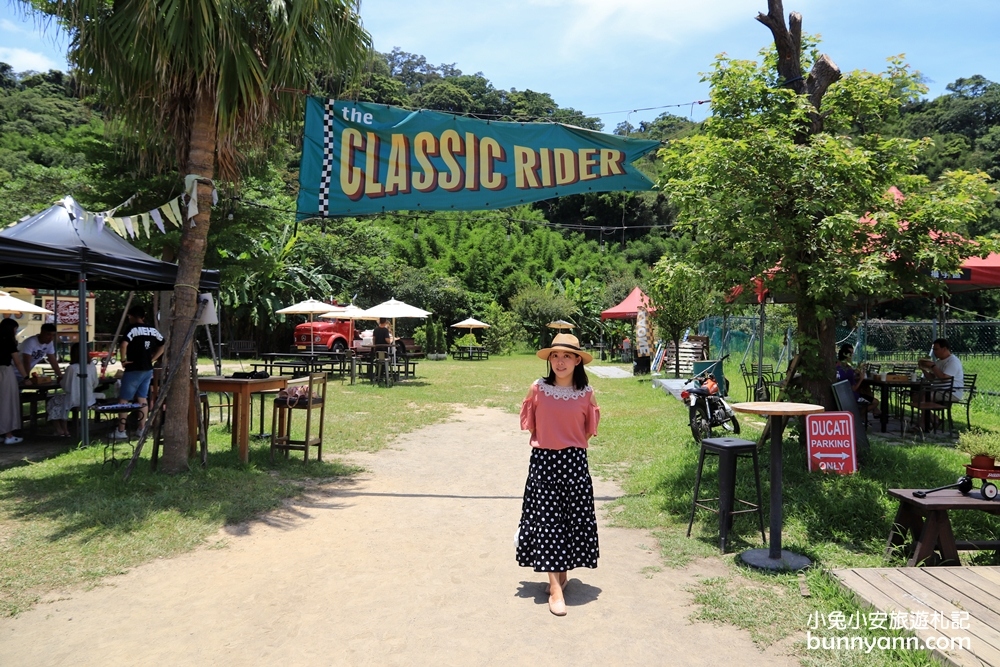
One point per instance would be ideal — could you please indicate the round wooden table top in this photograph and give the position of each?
(775, 408)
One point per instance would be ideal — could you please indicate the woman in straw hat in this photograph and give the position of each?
(558, 528)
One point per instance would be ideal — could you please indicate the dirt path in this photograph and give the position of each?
(410, 564)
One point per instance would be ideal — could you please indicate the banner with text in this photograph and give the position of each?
(360, 158)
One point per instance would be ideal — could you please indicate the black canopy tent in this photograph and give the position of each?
(62, 248)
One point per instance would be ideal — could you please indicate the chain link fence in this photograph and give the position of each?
(976, 344)
(739, 337)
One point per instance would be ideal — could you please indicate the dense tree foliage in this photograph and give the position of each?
(682, 296)
(196, 84)
(586, 252)
(794, 180)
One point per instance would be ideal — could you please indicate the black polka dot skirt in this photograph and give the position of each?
(558, 529)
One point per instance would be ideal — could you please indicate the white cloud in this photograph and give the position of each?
(10, 26)
(23, 60)
(672, 22)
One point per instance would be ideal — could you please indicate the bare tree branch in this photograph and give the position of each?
(795, 27)
(823, 74)
(789, 62)
(788, 43)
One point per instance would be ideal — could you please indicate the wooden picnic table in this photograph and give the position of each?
(929, 528)
(303, 363)
(474, 352)
(241, 389)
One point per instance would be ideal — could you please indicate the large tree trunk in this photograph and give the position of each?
(194, 242)
(818, 349)
(817, 338)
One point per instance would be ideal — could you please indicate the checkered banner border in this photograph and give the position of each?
(327, 173)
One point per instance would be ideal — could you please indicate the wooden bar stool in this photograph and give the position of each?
(729, 451)
(285, 406)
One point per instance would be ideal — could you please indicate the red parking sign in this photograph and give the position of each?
(830, 442)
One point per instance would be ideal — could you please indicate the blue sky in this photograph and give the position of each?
(604, 56)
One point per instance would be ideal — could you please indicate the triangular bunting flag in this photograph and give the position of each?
(144, 218)
(117, 225)
(127, 220)
(191, 188)
(175, 208)
(168, 211)
(155, 214)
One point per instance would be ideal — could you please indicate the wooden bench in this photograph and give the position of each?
(243, 348)
(413, 351)
(476, 352)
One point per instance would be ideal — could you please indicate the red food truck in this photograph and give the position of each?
(330, 335)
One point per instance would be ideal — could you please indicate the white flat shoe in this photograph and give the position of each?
(557, 607)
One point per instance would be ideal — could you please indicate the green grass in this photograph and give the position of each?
(70, 521)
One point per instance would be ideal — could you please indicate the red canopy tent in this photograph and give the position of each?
(629, 307)
(976, 273)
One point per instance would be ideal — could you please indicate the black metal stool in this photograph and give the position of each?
(729, 450)
(114, 408)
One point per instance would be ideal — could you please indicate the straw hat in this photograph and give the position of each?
(565, 342)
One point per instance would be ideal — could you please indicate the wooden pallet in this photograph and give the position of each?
(695, 348)
(944, 590)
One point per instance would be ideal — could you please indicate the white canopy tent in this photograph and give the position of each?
(393, 309)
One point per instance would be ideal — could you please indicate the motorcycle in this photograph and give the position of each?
(707, 409)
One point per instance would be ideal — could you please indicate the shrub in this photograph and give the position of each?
(467, 340)
(505, 330)
(977, 441)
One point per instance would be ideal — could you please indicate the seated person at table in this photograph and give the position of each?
(10, 395)
(38, 347)
(382, 337)
(58, 406)
(866, 400)
(944, 365)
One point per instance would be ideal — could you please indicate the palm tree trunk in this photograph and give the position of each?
(177, 440)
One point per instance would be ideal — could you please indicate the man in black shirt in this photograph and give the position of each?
(382, 337)
(141, 346)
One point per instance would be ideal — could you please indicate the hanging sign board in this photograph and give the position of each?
(830, 442)
(360, 158)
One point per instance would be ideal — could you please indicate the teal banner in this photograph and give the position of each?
(360, 158)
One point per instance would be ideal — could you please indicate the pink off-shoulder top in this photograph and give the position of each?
(559, 417)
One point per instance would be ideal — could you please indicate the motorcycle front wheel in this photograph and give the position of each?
(732, 425)
(701, 427)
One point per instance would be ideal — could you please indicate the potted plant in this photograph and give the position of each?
(982, 445)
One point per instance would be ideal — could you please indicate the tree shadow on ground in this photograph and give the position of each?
(84, 496)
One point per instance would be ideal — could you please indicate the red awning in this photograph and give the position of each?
(628, 309)
(976, 273)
